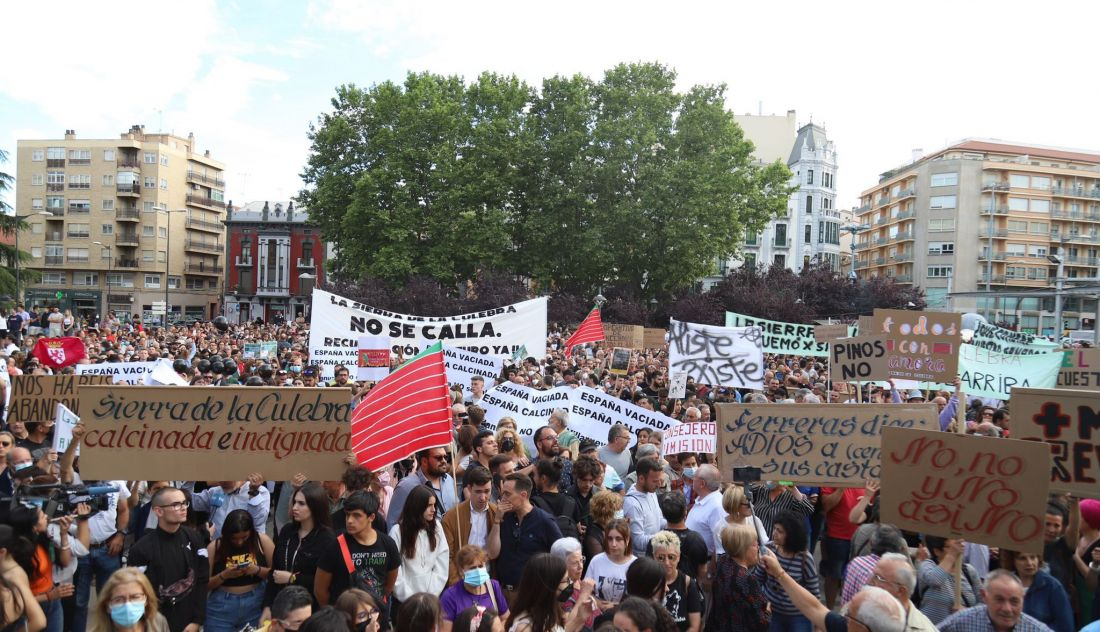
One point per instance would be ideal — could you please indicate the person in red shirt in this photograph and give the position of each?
(837, 546)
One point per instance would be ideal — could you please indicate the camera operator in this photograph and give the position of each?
(107, 528)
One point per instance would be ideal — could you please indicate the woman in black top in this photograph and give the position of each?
(300, 543)
(239, 564)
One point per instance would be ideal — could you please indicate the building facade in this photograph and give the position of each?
(809, 231)
(118, 224)
(981, 214)
(275, 261)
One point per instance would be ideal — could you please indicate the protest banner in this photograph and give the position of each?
(833, 445)
(164, 375)
(859, 359)
(1070, 422)
(64, 422)
(120, 372)
(694, 437)
(212, 433)
(653, 338)
(592, 413)
(462, 366)
(987, 373)
(337, 323)
(829, 333)
(863, 326)
(982, 489)
(677, 385)
(629, 336)
(1080, 370)
(1008, 342)
(528, 407)
(922, 346)
(260, 350)
(718, 356)
(620, 360)
(780, 337)
(35, 397)
(373, 361)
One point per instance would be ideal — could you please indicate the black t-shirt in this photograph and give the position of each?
(693, 551)
(520, 541)
(15, 324)
(372, 565)
(835, 623)
(683, 598)
(1059, 557)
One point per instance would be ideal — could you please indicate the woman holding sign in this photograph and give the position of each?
(936, 583)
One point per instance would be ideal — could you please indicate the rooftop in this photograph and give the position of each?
(282, 211)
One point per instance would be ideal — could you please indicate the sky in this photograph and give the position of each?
(249, 76)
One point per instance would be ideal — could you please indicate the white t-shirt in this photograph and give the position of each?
(102, 524)
(610, 577)
(761, 536)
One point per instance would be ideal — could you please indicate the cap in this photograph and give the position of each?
(309, 371)
(915, 394)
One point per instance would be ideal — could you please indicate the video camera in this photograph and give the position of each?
(57, 499)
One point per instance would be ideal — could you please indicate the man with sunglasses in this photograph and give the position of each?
(432, 470)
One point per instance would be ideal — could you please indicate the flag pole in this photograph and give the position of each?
(454, 482)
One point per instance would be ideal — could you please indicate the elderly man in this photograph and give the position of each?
(894, 573)
(872, 608)
(707, 511)
(567, 441)
(1002, 610)
(615, 453)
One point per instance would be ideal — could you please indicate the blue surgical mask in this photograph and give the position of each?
(689, 472)
(127, 614)
(295, 368)
(619, 515)
(476, 577)
(770, 485)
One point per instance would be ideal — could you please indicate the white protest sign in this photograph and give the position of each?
(528, 407)
(373, 362)
(338, 322)
(64, 421)
(677, 387)
(1010, 342)
(593, 412)
(695, 437)
(462, 366)
(781, 337)
(121, 372)
(718, 356)
(164, 375)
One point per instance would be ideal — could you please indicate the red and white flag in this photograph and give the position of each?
(58, 353)
(590, 330)
(406, 412)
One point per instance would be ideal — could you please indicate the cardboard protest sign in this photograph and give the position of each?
(1008, 342)
(859, 359)
(833, 445)
(64, 422)
(718, 356)
(592, 413)
(864, 326)
(462, 366)
(211, 433)
(35, 397)
(120, 372)
(923, 345)
(629, 336)
(1080, 370)
(528, 407)
(260, 350)
(695, 437)
(1069, 421)
(620, 360)
(653, 337)
(337, 323)
(829, 333)
(987, 373)
(373, 361)
(780, 337)
(986, 490)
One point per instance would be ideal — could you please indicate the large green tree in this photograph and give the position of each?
(9, 224)
(579, 186)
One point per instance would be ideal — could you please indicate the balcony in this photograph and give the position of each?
(1078, 215)
(1082, 261)
(55, 187)
(244, 262)
(1080, 192)
(201, 267)
(126, 239)
(306, 263)
(781, 243)
(129, 162)
(202, 246)
(126, 264)
(862, 209)
(883, 201)
(904, 278)
(881, 240)
(129, 189)
(999, 233)
(997, 256)
(272, 290)
(55, 260)
(1002, 210)
(55, 162)
(882, 220)
(904, 215)
(79, 162)
(904, 236)
(77, 234)
(995, 186)
(79, 210)
(880, 261)
(902, 258)
(55, 236)
(198, 200)
(77, 258)
(207, 180)
(904, 193)
(200, 224)
(128, 215)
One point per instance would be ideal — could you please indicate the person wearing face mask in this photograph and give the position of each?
(21, 463)
(127, 603)
(475, 588)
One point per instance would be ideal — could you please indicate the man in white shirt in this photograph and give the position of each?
(109, 529)
(225, 496)
(707, 510)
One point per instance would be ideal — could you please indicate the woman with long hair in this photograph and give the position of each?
(419, 536)
(362, 607)
(608, 569)
(1044, 597)
(509, 443)
(127, 603)
(419, 613)
(605, 506)
(240, 563)
(645, 579)
(789, 543)
(739, 603)
(19, 610)
(683, 597)
(300, 544)
(31, 523)
(537, 606)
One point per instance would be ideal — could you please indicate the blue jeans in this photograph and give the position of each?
(55, 619)
(790, 623)
(227, 612)
(103, 565)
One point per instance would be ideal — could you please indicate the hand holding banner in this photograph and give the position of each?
(64, 422)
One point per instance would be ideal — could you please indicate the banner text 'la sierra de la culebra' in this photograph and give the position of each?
(339, 322)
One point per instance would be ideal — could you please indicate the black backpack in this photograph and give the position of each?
(563, 515)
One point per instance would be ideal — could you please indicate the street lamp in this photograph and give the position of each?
(1058, 280)
(18, 271)
(853, 230)
(168, 258)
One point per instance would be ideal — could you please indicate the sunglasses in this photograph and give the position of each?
(5, 444)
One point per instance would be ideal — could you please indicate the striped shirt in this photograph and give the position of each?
(801, 568)
(767, 509)
(936, 590)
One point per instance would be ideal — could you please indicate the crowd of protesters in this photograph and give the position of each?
(555, 534)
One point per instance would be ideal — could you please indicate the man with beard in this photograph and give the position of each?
(546, 447)
(431, 470)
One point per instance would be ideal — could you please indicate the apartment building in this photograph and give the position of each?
(981, 214)
(117, 224)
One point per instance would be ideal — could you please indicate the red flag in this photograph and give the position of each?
(58, 353)
(590, 330)
(406, 412)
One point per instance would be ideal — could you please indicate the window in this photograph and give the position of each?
(805, 237)
(948, 179)
(80, 206)
(941, 247)
(809, 204)
(106, 229)
(78, 255)
(892, 233)
(147, 231)
(38, 155)
(781, 235)
(150, 183)
(163, 230)
(126, 178)
(173, 283)
(146, 255)
(750, 240)
(1039, 228)
(1017, 226)
(1015, 272)
(152, 281)
(218, 196)
(55, 153)
(1037, 273)
(148, 207)
(307, 248)
(55, 177)
(161, 256)
(150, 158)
(1017, 204)
(1015, 250)
(55, 202)
(1017, 181)
(36, 252)
(164, 184)
(832, 233)
(941, 225)
(828, 180)
(108, 205)
(105, 253)
(213, 284)
(1036, 251)
(164, 160)
(36, 204)
(82, 181)
(38, 180)
(80, 155)
(895, 190)
(941, 201)
(77, 230)
(109, 180)
(810, 176)
(1040, 182)
(1040, 206)
(781, 260)
(85, 278)
(826, 203)
(53, 278)
(120, 280)
(36, 228)
(109, 155)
